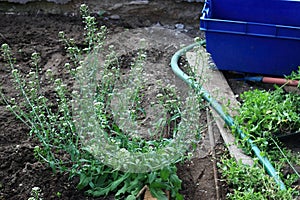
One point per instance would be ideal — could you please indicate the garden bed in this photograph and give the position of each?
(20, 171)
(25, 34)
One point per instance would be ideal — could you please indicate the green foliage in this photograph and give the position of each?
(251, 182)
(264, 115)
(53, 123)
(269, 112)
(295, 75)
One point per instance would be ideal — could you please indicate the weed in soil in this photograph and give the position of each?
(62, 146)
(263, 116)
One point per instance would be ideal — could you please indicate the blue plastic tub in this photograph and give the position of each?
(251, 47)
(280, 12)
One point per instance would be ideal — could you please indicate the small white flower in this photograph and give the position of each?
(159, 95)
(79, 68)
(8, 107)
(14, 71)
(36, 189)
(5, 46)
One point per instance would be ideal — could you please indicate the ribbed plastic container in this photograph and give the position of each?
(280, 12)
(245, 41)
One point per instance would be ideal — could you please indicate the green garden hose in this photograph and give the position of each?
(218, 108)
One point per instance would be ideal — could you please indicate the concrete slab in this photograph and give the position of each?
(215, 83)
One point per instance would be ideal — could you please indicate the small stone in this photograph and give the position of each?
(158, 24)
(116, 6)
(179, 26)
(139, 2)
(115, 17)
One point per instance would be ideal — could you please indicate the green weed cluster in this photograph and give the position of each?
(263, 116)
(251, 182)
(295, 75)
(77, 130)
(265, 113)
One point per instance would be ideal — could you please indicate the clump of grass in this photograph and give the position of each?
(81, 134)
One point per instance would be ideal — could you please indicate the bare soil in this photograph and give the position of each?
(19, 170)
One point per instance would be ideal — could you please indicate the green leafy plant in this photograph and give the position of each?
(36, 194)
(295, 75)
(263, 116)
(269, 112)
(251, 182)
(80, 133)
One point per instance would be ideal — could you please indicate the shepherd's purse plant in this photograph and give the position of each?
(80, 132)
